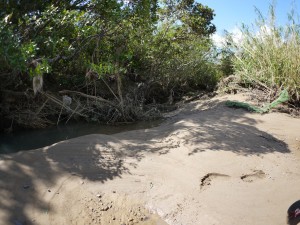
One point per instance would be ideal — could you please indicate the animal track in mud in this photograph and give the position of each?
(208, 178)
(257, 174)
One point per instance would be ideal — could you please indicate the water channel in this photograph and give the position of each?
(32, 139)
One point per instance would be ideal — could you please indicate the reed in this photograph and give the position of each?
(269, 54)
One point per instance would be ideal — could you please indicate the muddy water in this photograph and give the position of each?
(32, 139)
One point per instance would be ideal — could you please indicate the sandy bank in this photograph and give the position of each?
(207, 164)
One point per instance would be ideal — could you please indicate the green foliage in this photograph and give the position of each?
(192, 16)
(166, 43)
(17, 9)
(40, 69)
(226, 57)
(185, 62)
(269, 54)
(103, 69)
(13, 54)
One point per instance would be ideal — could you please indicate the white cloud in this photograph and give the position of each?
(218, 40)
(264, 30)
(237, 35)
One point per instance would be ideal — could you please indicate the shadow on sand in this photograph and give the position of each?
(101, 157)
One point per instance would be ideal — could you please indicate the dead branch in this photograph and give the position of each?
(59, 102)
(97, 98)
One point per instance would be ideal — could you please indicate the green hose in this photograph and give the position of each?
(283, 97)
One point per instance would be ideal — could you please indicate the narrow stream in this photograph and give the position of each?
(32, 139)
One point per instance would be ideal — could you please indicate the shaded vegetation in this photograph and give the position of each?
(112, 58)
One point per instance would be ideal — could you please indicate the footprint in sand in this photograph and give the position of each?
(257, 174)
(208, 178)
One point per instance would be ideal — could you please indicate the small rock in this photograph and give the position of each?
(26, 186)
(114, 192)
(49, 190)
(99, 196)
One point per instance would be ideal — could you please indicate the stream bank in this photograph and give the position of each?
(207, 164)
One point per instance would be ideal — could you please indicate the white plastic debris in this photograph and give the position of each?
(67, 100)
(37, 84)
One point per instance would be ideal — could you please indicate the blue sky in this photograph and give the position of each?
(231, 13)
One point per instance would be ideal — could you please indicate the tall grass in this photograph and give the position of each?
(270, 54)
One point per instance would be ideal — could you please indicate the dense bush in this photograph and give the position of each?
(111, 50)
(137, 39)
